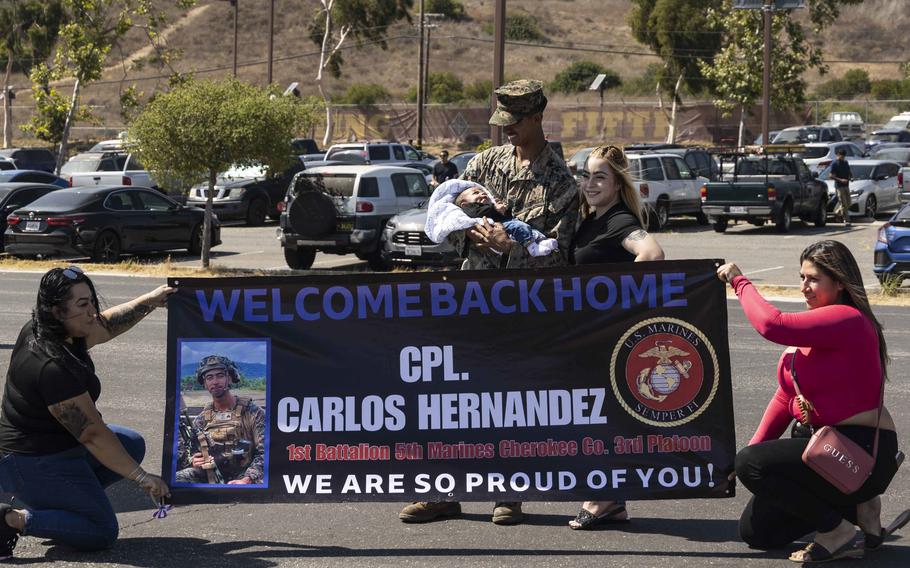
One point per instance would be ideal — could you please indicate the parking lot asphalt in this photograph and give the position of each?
(663, 533)
(766, 256)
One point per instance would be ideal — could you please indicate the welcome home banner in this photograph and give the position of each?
(590, 382)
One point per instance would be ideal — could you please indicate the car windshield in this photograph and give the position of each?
(861, 172)
(243, 172)
(886, 137)
(8, 175)
(812, 152)
(461, 160)
(899, 123)
(796, 135)
(580, 157)
(63, 200)
(331, 154)
(338, 185)
(896, 154)
(82, 163)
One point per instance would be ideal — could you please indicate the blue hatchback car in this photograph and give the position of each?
(892, 248)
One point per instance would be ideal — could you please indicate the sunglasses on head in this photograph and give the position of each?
(73, 272)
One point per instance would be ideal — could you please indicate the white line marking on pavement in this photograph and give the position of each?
(763, 270)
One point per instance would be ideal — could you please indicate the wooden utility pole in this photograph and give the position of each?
(271, 37)
(499, 48)
(235, 3)
(766, 74)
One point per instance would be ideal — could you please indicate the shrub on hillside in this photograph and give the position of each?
(890, 89)
(451, 9)
(521, 27)
(364, 94)
(644, 84)
(577, 77)
(442, 88)
(853, 83)
(480, 90)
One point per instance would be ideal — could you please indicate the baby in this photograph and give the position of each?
(457, 204)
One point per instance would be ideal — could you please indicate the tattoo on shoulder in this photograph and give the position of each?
(71, 417)
(638, 235)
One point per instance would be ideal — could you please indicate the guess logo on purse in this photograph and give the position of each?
(841, 458)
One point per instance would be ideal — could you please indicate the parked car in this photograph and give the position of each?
(114, 145)
(818, 155)
(667, 186)
(343, 210)
(17, 195)
(901, 155)
(892, 248)
(31, 158)
(32, 176)
(302, 146)
(899, 122)
(404, 241)
(775, 186)
(576, 163)
(887, 136)
(805, 134)
(461, 160)
(248, 193)
(106, 168)
(102, 222)
(699, 161)
(771, 134)
(873, 187)
(849, 123)
(376, 152)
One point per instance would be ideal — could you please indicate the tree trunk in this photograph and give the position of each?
(671, 132)
(323, 61)
(64, 138)
(207, 224)
(742, 125)
(7, 105)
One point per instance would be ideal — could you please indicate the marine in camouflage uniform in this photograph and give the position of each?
(235, 430)
(542, 194)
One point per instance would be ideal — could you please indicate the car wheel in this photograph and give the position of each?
(660, 216)
(720, 224)
(786, 219)
(701, 218)
(107, 247)
(300, 258)
(871, 207)
(195, 246)
(256, 212)
(821, 215)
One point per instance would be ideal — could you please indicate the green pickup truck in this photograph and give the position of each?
(761, 188)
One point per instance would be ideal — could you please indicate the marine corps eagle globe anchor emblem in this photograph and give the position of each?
(662, 380)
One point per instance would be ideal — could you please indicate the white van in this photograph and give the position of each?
(901, 120)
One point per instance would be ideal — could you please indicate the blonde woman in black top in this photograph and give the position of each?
(611, 230)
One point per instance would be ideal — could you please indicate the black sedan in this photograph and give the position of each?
(104, 221)
(17, 195)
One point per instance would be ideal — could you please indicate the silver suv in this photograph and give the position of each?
(343, 209)
(373, 153)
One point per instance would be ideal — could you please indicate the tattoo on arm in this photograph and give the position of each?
(71, 417)
(126, 316)
(638, 235)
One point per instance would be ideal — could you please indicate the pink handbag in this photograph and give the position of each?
(836, 458)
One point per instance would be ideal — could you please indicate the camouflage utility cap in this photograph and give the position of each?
(213, 362)
(516, 100)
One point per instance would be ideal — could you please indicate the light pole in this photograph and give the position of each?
(420, 79)
(235, 4)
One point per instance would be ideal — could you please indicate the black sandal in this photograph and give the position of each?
(587, 520)
(815, 553)
(8, 535)
(873, 541)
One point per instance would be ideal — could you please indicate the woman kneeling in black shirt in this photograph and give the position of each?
(56, 452)
(612, 230)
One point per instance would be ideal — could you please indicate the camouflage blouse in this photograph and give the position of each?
(543, 195)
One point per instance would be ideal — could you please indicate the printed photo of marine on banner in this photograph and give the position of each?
(557, 384)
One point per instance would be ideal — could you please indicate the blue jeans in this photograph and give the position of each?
(522, 233)
(64, 493)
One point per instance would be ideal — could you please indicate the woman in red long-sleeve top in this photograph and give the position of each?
(840, 356)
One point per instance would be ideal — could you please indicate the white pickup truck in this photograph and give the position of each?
(106, 168)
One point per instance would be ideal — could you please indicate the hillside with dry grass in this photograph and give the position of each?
(872, 36)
